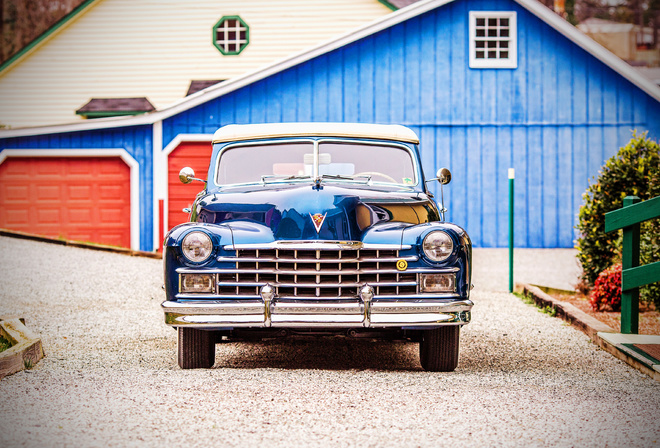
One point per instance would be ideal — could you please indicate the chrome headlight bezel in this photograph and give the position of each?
(438, 246)
(197, 246)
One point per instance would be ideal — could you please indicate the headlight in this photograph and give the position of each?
(438, 246)
(197, 246)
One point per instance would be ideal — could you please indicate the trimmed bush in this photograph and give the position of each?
(606, 294)
(633, 171)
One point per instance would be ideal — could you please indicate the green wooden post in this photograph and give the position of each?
(511, 179)
(630, 259)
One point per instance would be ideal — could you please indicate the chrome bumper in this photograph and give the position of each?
(398, 313)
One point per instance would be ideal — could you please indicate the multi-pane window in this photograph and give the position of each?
(493, 39)
(231, 35)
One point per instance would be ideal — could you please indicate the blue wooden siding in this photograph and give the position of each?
(555, 118)
(136, 140)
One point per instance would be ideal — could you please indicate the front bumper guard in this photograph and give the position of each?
(327, 313)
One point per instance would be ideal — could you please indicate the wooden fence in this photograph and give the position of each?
(633, 275)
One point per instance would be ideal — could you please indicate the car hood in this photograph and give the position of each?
(266, 213)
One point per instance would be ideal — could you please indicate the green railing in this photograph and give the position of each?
(633, 275)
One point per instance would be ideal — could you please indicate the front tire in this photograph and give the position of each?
(196, 348)
(438, 349)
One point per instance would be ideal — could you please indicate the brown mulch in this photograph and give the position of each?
(649, 318)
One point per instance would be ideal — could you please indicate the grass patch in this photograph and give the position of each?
(525, 298)
(4, 344)
(550, 310)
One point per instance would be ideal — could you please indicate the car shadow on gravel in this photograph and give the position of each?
(490, 353)
(319, 354)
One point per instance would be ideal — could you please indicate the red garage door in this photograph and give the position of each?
(196, 155)
(76, 198)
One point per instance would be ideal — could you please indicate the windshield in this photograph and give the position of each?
(331, 161)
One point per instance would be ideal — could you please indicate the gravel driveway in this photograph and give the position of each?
(110, 376)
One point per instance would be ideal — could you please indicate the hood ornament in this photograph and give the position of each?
(317, 220)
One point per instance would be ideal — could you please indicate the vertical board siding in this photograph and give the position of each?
(136, 140)
(555, 118)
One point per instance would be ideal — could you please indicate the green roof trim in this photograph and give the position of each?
(215, 40)
(43, 36)
(389, 5)
(109, 114)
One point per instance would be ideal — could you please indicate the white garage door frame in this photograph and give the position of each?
(161, 186)
(133, 165)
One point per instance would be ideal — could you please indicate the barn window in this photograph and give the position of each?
(231, 35)
(493, 42)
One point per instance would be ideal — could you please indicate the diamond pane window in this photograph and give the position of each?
(493, 41)
(231, 35)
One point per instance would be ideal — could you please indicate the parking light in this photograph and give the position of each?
(197, 283)
(437, 282)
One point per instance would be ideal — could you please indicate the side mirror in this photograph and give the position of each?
(444, 176)
(186, 175)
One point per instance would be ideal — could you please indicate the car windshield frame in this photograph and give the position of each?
(315, 177)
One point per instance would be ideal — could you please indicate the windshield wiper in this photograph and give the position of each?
(365, 178)
(279, 178)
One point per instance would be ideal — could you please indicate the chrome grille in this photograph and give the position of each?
(316, 273)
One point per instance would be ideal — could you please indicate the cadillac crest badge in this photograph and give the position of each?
(317, 220)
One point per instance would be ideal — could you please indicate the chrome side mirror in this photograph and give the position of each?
(187, 175)
(443, 175)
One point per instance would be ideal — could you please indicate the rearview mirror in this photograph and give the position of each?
(444, 176)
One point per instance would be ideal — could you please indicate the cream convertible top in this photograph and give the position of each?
(234, 132)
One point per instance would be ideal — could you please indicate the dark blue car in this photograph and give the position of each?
(315, 229)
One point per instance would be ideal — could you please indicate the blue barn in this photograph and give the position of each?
(486, 84)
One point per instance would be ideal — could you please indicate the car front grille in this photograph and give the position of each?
(316, 273)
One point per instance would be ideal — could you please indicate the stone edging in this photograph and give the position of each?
(585, 323)
(92, 246)
(26, 349)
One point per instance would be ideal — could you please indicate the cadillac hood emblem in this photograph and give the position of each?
(317, 220)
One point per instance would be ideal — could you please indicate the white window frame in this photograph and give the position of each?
(512, 60)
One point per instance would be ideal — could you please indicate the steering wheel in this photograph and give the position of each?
(376, 173)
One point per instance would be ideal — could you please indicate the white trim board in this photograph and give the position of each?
(133, 165)
(414, 10)
(157, 149)
(181, 138)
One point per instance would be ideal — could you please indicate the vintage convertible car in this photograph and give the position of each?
(317, 229)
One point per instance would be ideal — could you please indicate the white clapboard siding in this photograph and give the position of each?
(154, 48)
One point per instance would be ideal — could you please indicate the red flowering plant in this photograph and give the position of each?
(606, 293)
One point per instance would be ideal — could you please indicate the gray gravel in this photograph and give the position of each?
(110, 376)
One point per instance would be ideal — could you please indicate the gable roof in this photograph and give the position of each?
(390, 20)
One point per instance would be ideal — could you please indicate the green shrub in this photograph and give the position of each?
(633, 171)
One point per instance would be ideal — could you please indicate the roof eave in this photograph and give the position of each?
(46, 35)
